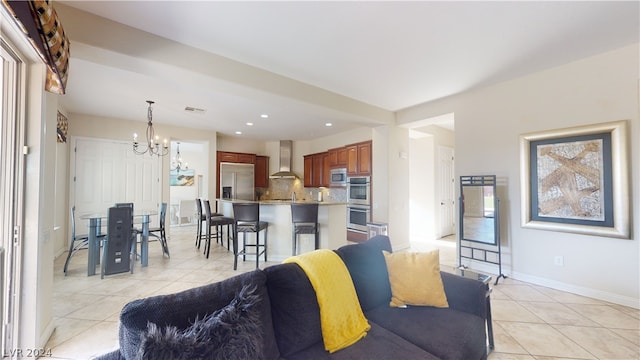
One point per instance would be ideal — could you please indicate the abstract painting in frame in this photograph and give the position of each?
(576, 180)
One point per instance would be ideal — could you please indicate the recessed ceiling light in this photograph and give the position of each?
(264, 116)
(238, 132)
(249, 124)
(328, 124)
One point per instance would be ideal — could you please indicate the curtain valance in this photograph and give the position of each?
(39, 22)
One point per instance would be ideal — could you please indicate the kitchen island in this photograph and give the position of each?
(332, 219)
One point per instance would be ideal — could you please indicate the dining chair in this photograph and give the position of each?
(218, 221)
(76, 242)
(118, 242)
(134, 231)
(304, 219)
(247, 220)
(160, 231)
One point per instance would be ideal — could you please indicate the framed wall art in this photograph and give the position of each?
(182, 177)
(576, 180)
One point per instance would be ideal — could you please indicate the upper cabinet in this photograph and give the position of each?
(316, 170)
(359, 158)
(337, 158)
(356, 158)
(262, 171)
(233, 157)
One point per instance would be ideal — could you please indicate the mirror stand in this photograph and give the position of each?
(479, 225)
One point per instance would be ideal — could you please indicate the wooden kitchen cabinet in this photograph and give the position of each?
(261, 171)
(308, 171)
(337, 157)
(316, 170)
(352, 160)
(359, 159)
(233, 157)
(364, 158)
(224, 156)
(318, 167)
(326, 170)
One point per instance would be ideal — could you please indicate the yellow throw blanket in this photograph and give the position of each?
(341, 317)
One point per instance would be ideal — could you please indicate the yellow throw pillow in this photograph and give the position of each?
(415, 279)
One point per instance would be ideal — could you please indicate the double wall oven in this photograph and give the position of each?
(359, 203)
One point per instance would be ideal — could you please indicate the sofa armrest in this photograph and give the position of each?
(464, 294)
(113, 355)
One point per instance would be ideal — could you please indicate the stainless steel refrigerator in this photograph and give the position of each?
(237, 181)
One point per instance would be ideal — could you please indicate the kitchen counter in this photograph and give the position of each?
(281, 202)
(332, 219)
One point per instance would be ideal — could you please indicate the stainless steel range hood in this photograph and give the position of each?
(285, 161)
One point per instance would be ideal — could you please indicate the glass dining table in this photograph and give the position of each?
(95, 227)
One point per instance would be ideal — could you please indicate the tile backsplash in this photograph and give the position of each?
(283, 189)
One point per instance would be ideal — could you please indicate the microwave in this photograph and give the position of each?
(338, 177)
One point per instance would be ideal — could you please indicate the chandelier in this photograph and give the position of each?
(153, 146)
(177, 163)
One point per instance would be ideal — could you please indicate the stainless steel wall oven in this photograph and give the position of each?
(359, 190)
(357, 217)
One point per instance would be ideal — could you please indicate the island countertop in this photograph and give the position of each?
(281, 202)
(332, 219)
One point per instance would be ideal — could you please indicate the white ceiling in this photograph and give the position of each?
(348, 63)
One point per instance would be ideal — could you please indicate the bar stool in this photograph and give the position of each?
(247, 220)
(304, 219)
(218, 222)
(202, 218)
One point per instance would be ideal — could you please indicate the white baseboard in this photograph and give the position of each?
(579, 290)
(557, 285)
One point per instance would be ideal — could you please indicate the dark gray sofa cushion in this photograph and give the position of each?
(379, 344)
(446, 333)
(368, 270)
(294, 308)
(181, 310)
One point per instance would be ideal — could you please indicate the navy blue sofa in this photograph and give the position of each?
(289, 321)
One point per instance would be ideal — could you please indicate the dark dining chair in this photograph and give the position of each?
(218, 222)
(134, 231)
(160, 231)
(304, 219)
(247, 220)
(118, 242)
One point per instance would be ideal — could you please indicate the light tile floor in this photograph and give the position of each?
(530, 322)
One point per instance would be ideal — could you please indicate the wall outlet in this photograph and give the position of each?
(558, 260)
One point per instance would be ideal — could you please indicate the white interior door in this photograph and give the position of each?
(105, 172)
(446, 193)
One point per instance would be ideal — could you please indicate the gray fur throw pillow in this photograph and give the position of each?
(233, 332)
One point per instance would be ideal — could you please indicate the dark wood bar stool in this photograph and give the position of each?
(304, 218)
(218, 222)
(247, 220)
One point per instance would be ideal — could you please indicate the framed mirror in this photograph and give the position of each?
(479, 209)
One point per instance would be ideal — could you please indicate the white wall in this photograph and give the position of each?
(422, 214)
(488, 123)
